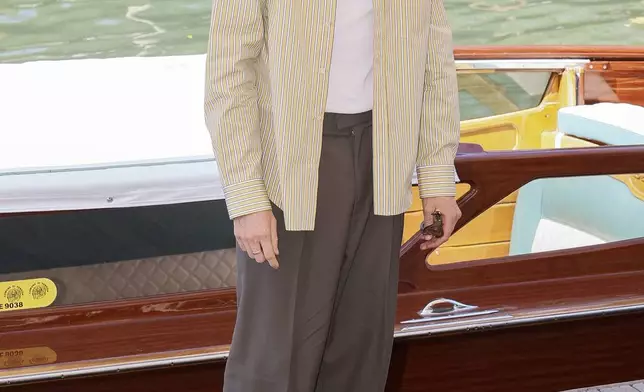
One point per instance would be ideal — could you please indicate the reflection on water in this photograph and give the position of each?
(505, 7)
(145, 41)
(56, 29)
(550, 22)
(20, 16)
(105, 28)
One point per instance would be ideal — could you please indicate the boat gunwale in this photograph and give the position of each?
(591, 52)
(164, 359)
(526, 64)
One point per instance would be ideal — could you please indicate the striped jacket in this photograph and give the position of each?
(266, 84)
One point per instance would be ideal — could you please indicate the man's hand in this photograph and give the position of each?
(451, 214)
(256, 234)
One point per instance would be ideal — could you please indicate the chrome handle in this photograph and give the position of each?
(444, 306)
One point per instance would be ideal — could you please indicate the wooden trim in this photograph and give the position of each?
(609, 65)
(596, 52)
(614, 81)
(180, 304)
(493, 176)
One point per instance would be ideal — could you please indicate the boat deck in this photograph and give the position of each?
(635, 386)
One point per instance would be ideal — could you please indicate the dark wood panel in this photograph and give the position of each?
(184, 304)
(128, 338)
(538, 358)
(207, 377)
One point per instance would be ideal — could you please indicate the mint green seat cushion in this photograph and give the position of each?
(597, 205)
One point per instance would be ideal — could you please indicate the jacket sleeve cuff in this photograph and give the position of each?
(246, 198)
(436, 181)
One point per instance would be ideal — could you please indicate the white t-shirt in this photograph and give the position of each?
(351, 73)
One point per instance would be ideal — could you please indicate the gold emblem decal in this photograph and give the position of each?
(22, 357)
(27, 294)
(38, 290)
(13, 294)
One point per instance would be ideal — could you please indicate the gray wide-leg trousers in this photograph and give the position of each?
(323, 322)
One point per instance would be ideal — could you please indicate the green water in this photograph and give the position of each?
(63, 29)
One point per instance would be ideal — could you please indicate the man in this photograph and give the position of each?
(319, 112)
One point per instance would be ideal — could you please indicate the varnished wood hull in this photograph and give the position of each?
(536, 358)
(533, 358)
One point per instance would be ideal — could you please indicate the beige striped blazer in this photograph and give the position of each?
(266, 82)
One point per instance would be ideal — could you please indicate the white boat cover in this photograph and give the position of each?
(97, 133)
(104, 133)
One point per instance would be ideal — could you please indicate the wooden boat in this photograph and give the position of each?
(117, 271)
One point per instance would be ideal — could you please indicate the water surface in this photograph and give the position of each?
(64, 29)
